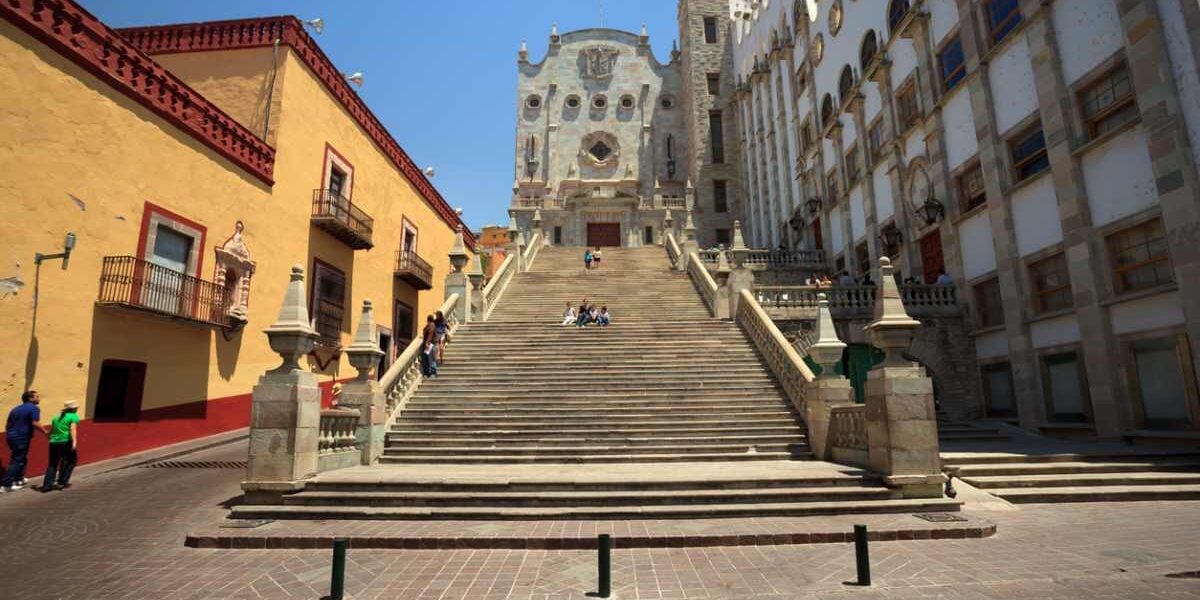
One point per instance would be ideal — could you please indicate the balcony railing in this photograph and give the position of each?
(140, 285)
(413, 270)
(855, 302)
(342, 219)
(773, 259)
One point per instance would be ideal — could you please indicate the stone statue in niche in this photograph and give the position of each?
(233, 272)
(599, 62)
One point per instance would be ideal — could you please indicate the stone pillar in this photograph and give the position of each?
(829, 389)
(721, 298)
(285, 412)
(456, 280)
(537, 226)
(902, 435)
(740, 277)
(688, 244)
(514, 242)
(363, 393)
(479, 307)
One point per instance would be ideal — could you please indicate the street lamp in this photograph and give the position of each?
(814, 205)
(65, 255)
(931, 211)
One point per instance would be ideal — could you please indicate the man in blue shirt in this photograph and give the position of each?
(18, 432)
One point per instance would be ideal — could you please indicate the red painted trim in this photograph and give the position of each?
(329, 149)
(262, 32)
(144, 235)
(73, 32)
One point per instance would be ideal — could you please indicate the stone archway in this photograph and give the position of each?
(943, 347)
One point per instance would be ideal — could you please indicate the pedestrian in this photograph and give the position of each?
(64, 450)
(585, 311)
(569, 317)
(428, 349)
(335, 395)
(588, 257)
(596, 257)
(603, 318)
(18, 432)
(441, 334)
(943, 278)
(845, 280)
(866, 280)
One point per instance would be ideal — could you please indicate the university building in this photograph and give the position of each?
(194, 165)
(1043, 154)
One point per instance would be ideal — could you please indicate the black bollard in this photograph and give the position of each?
(861, 555)
(605, 566)
(337, 584)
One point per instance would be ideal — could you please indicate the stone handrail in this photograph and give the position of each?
(495, 288)
(337, 430)
(704, 281)
(848, 427)
(783, 359)
(673, 251)
(774, 259)
(849, 302)
(403, 378)
(531, 251)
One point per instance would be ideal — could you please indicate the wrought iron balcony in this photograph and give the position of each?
(136, 284)
(413, 270)
(342, 219)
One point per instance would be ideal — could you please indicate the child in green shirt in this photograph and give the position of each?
(63, 438)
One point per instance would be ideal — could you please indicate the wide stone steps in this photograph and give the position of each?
(1071, 468)
(695, 511)
(408, 442)
(573, 435)
(483, 426)
(1093, 493)
(1091, 479)
(655, 457)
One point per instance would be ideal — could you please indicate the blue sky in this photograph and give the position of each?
(441, 74)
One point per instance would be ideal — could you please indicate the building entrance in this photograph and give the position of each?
(603, 234)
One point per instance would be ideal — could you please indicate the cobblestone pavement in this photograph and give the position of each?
(120, 535)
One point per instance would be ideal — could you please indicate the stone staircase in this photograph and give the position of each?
(665, 413)
(1090, 476)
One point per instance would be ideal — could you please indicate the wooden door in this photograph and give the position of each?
(931, 256)
(604, 235)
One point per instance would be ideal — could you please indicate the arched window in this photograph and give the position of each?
(826, 109)
(896, 11)
(845, 82)
(870, 45)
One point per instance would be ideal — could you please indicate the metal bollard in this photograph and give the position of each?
(337, 584)
(861, 555)
(604, 545)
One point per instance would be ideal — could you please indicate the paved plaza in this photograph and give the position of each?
(121, 535)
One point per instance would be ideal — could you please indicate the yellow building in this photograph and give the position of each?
(194, 164)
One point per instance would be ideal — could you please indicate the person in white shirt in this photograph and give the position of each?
(943, 278)
(569, 315)
(845, 280)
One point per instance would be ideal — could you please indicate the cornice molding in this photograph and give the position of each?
(262, 32)
(74, 33)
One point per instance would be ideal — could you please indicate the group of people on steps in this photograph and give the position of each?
(434, 337)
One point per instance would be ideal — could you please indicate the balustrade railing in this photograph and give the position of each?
(925, 294)
(403, 378)
(921, 300)
(787, 258)
(495, 288)
(673, 251)
(848, 427)
(337, 431)
(704, 281)
(709, 257)
(135, 283)
(783, 359)
(531, 251)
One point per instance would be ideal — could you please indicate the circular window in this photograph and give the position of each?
(835, 18)
(600, 102)
(533, 101)
(818, 49)
(627, 102)
(572, 101)
(667, 102)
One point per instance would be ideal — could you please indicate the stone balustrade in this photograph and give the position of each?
(855, 302)
(337, 441)
(495, 288)
(403, 378)
(783, 359)
(848, 434)
(761, 260)
(673, 251)
(704, 281)
(531, 251)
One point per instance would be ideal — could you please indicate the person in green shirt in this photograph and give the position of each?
(64, 436)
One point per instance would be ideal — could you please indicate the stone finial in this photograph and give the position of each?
(524, 52)
(893, 328)
(688, 223)
(537, 217)
(291, 335)
(476, 274)
(827, 350)
(364, 351)
(739, 242)
(667, 220)
(513, 231)
(645, 32)
(722, 261)
(554, 32)
(458, 253)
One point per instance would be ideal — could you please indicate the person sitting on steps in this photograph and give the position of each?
(569, 315)
(603, 318)
(585, 311)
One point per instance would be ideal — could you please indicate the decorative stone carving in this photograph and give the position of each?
(600, 148)
(598, 62)
(233, 272)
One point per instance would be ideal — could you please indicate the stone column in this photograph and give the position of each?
(285, 412)
(829, 389)
(456, 280)
(721, 298)
(740, 277)
(479, 307)
(688, 245)
(902, 435)
(537, 225)
(363, 393)
(514, 242)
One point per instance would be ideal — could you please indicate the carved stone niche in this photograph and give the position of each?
(600, 149)
(233, 272)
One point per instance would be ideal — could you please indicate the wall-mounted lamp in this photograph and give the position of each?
(430, 172)
(65, 255)
(814, 205)
(317, 25)
(356, 78)
(891, 238)
(931, 211)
